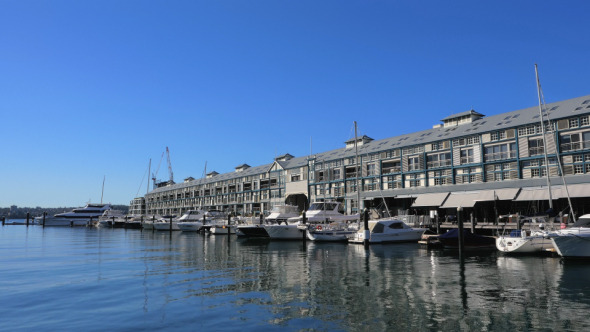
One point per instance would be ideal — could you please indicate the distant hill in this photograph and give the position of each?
(21, 212)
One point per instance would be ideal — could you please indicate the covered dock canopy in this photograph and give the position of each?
(432, 199)
(467, 199)
(542, 193)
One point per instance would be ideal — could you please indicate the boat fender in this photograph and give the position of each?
(319, 228)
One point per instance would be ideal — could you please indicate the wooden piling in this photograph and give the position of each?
(304, 221)
(44, 214)
(366, 224)
(28, 216)
(460, 236)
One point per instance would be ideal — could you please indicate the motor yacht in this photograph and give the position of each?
(387, 230)
(85, 216)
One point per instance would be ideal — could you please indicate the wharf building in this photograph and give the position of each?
(489, 166)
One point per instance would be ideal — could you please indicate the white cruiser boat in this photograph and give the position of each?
(85, 216)
(387, 231)
(166, 223)
(326, 223)
(574, 242)
(191, 221)
(110, 217)
(278, 215)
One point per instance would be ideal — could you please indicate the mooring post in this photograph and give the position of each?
(366, 222)
(472, 222)
(3, 221)
(170, 229)
(141, 229)
(113, 222)
(153, 221)
(304, 221)
(44, 214)
(261, 217)
(28, 216)
(228, 227)
(437, 224)
(460, 237)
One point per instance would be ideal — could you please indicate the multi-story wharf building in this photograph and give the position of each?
(488, 165)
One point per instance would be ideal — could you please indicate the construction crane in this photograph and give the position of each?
(158, 184)
(171, 181)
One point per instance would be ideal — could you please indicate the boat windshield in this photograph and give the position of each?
(582, 222)
(323, 206)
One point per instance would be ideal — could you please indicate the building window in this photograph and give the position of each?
(536, 147)
(390, 167)
(439, 160)
(371, 169)
(574, 123)
(466, 156)
(336, 175)
(576, 141)
(500, 152)
(414, 180)
(392, 182)
(414, 164)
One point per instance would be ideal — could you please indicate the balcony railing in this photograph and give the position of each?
(573, 146)
(500, 155)
(439, 163)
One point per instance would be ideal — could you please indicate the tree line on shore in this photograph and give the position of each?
(21, 212)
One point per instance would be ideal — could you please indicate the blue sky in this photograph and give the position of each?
(94, 89)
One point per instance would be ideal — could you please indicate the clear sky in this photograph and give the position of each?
(94, 89)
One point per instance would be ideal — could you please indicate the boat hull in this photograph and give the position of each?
(222, 230)
(192, 226)
(165, 226)
(412, 235)
(523, 245)
(252, 231)
(283, 232)
(572, 245)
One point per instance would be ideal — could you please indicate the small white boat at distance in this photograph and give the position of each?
(574, 242)
(109, 218)
(78, 217)
(388, 230)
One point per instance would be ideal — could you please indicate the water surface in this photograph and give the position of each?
(114, 279)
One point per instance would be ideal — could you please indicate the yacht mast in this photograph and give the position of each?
(544, 138)
(358, 165)
(542, 102)
(102, 193)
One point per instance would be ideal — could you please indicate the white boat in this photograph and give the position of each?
(223, 229)
(388, 231)
(327, 223)
(148, 222)
(574, 242)
(332, 232)
(85, 216)
(110, 217)
(278, 215)
(166, 224)
(191, 221)
(289, 231)
(526, 242)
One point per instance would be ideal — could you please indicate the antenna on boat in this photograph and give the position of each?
(101, 195)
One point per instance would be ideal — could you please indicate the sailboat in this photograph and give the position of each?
(534, 241)
(326, 222)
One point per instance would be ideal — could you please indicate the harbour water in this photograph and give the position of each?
(74, 279)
